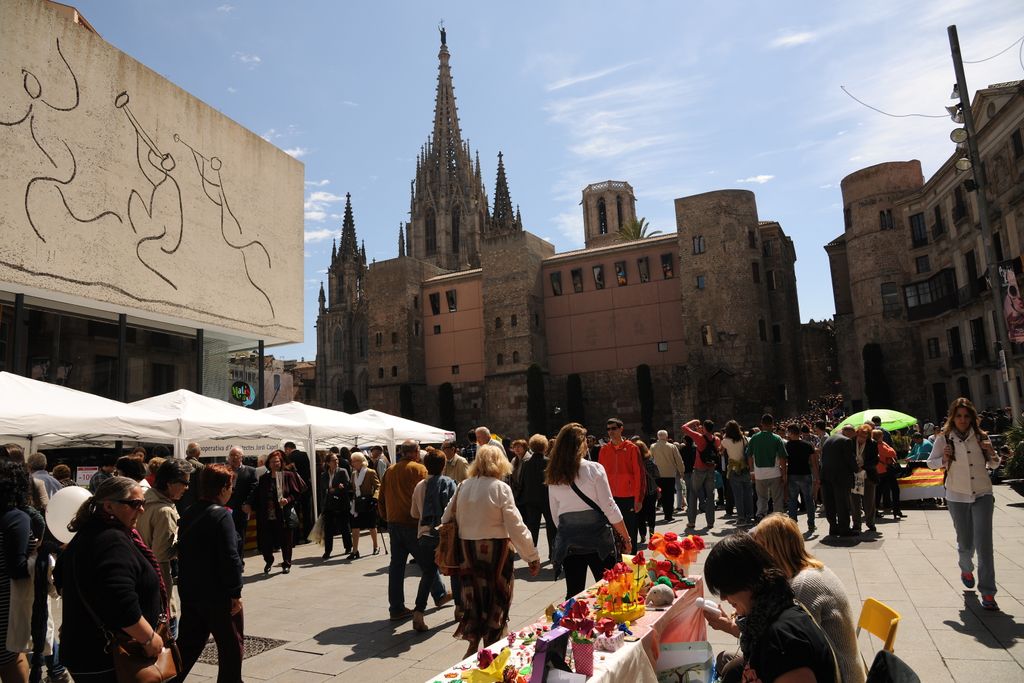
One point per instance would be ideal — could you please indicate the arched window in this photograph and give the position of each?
(515, 356)
(602, 218)
(431, 233)
(513, 321)
(394, 371)
(497, 323)
(456, 219)
(338, 345)
(501, 359)
(618, 209)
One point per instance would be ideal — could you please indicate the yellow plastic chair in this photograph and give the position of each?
(881, 621)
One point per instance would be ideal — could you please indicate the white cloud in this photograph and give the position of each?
(328, 197)
(316, 215)
(297, 152)
(232, 90)
(318, 183)
(583, 78)
(250, 60)
(224, 9)
(570, 224)
(350, 103)
(759, 179)
(317, 205)
(792, 39)
(317, 235)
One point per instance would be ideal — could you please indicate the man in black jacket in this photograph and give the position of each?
(838, 465)
(210, 578)
(245, 484)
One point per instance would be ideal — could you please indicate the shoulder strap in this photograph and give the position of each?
(583, 496)
(85, 603)
(835, 660)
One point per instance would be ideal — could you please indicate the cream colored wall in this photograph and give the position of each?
(617, 327)
(119, 189)
(461, 341)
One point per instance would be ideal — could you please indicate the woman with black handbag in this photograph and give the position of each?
(366, 488)
(584, 511)
(335, 499)
(115, 601)
(274, 500)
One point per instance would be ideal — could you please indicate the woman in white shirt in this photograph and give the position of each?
(582, 507)
(965, 452)
(738, 471)
(489, 528)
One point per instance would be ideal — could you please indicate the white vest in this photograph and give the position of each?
(967, 473)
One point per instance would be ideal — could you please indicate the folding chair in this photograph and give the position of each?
(881, 621)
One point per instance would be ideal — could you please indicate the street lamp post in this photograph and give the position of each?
(978, 172)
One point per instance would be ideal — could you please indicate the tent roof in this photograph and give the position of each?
(332, 424)
(50, 414)
(202, 417)
(407, 429)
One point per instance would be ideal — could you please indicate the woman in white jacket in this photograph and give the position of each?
(966, 452)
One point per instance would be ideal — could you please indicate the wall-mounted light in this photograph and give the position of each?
(956, 92)
(963, 164)
(958, 135)
(955, 113)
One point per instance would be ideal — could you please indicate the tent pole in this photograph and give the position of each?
(313, 474)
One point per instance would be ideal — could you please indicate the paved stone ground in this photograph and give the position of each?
(334, 614)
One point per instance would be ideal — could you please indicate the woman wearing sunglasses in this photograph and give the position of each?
(110, 582)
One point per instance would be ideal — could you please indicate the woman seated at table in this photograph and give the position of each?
(815, 587)
(490, 527)
(779, 641)
(575, 487)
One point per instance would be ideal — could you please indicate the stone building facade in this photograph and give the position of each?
(914, 324)
(473, 300)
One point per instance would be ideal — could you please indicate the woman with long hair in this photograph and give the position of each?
(646, 516)
(816, 587)
(863, 504)
(110, 582)
(965, 452)
(15, 537)
(366, 487)
(274, 500)
(582, 507)
(738, 472)
(779, 640)
(489, 528)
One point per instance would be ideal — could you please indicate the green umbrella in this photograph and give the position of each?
(891, 419)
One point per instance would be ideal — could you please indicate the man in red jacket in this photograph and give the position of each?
(621, 461)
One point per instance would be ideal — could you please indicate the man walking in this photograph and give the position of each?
(245, 484)
(802, 473)
(455, 466)
(37, 466)
(701, 486)
(621, 461)
(768, 455)
(670, 465)
(838, 465)
(395, 504)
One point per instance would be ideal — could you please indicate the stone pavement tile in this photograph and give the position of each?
(444, 657)
(950, 618)
(929, 667)
(295, 676)
(201, 669)
(273, 663)
(884, 592)
(974, 645)
(971, 671)
(385, 670)
(332, 663)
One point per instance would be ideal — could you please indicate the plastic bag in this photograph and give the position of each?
(316, 534)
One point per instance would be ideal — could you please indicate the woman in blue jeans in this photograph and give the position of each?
(965, 452)
(738, 472)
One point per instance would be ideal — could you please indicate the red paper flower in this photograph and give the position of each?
(673, 550)
(687, 543)
(698, 541)
(484, 658)
(671, 536)
(639, 559)
(664, 566)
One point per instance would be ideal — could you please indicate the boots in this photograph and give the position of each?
(417, 622)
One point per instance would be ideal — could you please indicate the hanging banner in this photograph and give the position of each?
(1013, 302)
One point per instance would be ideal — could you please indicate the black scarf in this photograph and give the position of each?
(770, 599)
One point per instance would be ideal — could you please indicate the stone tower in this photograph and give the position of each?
(607, 207)
(341, 324)
(448, 206)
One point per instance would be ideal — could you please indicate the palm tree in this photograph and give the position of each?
(636, 229)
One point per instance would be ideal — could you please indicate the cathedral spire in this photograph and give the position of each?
(322, 299)
(401, 240)
(447, 138)
(348, 230)
(334, 250)
(503, 218)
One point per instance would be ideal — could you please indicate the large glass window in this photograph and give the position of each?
(577, 280)
(667, 270)
(598, 277)
(556, 283)
(620, 273)
(643, 264)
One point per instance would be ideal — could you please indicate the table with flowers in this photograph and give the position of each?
(618, 629)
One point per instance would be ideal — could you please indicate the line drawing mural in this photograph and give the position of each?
(34, 89)
(213, 186)
(157, 167)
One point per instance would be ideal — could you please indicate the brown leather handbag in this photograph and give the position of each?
(131, 665)
(448, 554)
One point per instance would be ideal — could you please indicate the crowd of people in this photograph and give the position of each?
(162, 539)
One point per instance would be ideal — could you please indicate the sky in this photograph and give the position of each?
(677, 98)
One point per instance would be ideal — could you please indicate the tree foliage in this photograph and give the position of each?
(637, 229)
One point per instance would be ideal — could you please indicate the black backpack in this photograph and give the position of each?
(709, 456)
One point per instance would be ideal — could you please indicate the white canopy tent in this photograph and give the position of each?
(331, 428)
(405, 429)
(46, 414)
(201, 417)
